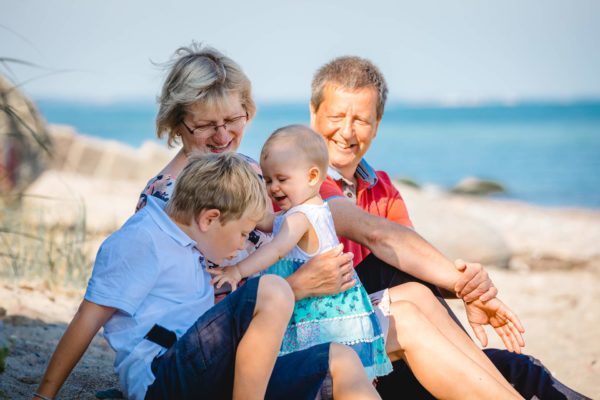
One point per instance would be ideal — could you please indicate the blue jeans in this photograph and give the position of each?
(200, 365)
(526, 374)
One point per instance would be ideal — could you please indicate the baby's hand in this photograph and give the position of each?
(229, 274)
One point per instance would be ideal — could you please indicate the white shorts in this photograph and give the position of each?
(381, 305)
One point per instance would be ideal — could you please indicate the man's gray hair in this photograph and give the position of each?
(349, 72)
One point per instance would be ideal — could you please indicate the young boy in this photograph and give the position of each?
(151, 292)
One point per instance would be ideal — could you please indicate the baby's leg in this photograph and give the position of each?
(444, 370)
(259, 347)
(349, 378)
(429, 305)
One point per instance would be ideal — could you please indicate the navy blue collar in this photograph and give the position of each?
(363, 172)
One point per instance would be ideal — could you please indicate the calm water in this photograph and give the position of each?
(546, 154)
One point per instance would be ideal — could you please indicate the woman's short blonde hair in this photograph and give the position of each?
(309, 145)
(199, 73)
(225, 182)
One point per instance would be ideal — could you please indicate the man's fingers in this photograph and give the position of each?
(214, 271)
(478, 281)
(491, 293)
(469, 279)
(505, 339)
(472, 296)
(460, 265)
(517, 334)
(480, 334)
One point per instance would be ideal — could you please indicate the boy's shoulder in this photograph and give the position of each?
(148, 230)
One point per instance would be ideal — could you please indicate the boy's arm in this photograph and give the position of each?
(88, 320)
(292, 230)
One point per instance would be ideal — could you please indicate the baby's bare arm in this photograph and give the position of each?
(292, 230)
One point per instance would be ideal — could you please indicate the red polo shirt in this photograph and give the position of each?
(375, 194)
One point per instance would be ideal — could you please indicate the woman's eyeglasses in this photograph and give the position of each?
(228, 123)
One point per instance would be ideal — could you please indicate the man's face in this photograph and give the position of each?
(347, 120)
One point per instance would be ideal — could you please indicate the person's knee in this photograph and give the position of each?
(342, 357)
(412, 291)
(406, 317)
(275, 293)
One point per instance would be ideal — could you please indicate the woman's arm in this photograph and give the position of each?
(88, 320)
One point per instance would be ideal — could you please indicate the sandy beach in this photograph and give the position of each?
(544, 261)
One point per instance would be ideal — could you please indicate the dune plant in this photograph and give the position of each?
(31, 249)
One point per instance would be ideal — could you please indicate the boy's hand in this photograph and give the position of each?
(474, 283)
(495, 313)
(229, 274)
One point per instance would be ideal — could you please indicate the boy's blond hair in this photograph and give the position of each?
(309, 144)
(225, 182)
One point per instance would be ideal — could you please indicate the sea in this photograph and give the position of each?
(545, 153)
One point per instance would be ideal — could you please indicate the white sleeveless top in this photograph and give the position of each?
(322, 222)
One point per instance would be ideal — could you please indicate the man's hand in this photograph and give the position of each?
(474, 283)
(328, 273)
(230, 274)
(501, 318)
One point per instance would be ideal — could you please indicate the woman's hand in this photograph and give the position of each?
(326, 274)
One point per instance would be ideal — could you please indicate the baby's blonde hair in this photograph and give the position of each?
(309, 144)
(225, 182)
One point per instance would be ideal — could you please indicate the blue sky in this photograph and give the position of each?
(462, 51)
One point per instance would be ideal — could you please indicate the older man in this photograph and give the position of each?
(347, 105)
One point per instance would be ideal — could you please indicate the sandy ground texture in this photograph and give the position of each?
(559, 310)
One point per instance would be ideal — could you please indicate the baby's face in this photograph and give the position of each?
(287, 178)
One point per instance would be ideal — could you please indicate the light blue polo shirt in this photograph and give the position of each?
(152, 273)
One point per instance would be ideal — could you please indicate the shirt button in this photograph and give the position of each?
(349, 194)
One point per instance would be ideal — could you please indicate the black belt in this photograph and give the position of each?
(161, 336)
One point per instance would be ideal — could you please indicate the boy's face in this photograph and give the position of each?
(224, 241)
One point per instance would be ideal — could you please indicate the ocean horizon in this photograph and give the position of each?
(545, 153)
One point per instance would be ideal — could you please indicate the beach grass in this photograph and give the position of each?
(54, 255)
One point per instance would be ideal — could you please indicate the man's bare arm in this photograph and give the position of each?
(405, 249)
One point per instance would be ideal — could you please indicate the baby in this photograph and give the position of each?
(294, 163)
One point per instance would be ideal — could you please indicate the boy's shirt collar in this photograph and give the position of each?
(156, 209)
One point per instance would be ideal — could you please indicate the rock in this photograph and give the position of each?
(409, 182)
(477, 186)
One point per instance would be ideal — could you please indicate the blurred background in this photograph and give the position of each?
(503, 91)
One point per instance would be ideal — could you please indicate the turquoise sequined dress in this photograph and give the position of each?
(346, 317)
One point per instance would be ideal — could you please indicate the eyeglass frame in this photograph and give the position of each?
(205, 128)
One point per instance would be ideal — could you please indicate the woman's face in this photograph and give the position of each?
(216, 129)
